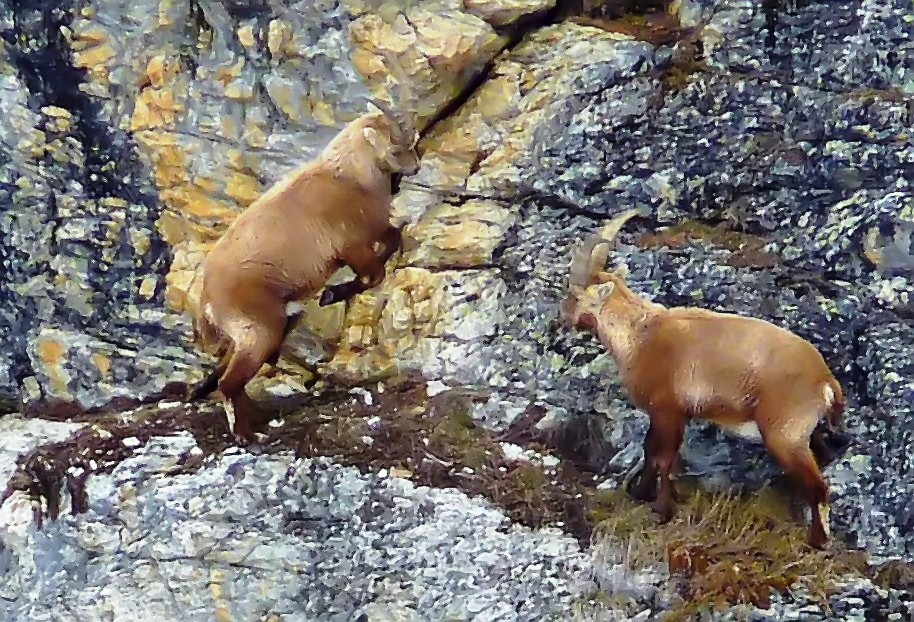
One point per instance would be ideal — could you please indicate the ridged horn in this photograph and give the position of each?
(402, 124)
(589, 259)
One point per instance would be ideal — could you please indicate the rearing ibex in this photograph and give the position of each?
(330, 212)
(747, 375)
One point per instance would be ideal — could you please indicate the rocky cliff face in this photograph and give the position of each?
(132, 142)
(764, 149)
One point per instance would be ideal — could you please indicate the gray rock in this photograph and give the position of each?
(845, 45)
(22, 435)
(255, 536)
(80, 247)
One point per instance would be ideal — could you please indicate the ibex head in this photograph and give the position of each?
(396, 147)
(588, 284)
(592, 289)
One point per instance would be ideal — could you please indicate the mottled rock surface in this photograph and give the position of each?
(83, 261)
(132, 137)
(769, 168)
(272, 538)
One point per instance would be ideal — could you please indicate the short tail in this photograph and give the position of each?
(834, 405)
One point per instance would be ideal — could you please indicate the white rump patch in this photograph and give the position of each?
(829, 394)
(294, 307)
(824, 511)
(229, 414)
(748, 430)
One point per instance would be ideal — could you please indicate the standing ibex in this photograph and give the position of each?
(744, 374)
(330, 212)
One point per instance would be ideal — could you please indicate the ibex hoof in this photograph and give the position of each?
(662, 513)
(640, 490)
(328, 297)
(243, 440)
(817, 539)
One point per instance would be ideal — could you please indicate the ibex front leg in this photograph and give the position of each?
(368, 266)
(661, 455)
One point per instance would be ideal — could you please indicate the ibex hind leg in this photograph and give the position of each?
(291, 324)
(799, 463)
(211, 382)
(252, 350)
(305, 337)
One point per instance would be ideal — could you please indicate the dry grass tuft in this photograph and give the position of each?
(727, 549)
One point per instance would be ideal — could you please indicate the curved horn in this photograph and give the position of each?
(598, 256)
(407, 97)
(610, 231)
(587, 260)
(395, 123)
(387, 110)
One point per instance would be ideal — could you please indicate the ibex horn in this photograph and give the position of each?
(587, 260)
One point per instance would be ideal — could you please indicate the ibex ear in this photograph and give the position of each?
(604, 289)
(375, 139)
(382, 147)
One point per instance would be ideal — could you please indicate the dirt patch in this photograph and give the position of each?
(107, 441)
(872, 95)
(746, 250)
(650, 21)
(655, 28)
(436, 442)
(897, 575)
(60, 410)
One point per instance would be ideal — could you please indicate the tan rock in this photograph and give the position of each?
(148, 287)
(278, 37)
(53, 356)
(246, 35)
(463, 236)
(399, 324)
(503, 12)
(94, 57)
(155, 108)
(434, 47)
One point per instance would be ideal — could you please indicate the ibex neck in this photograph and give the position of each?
(620, 332)
(349, 155)
(357, 164)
